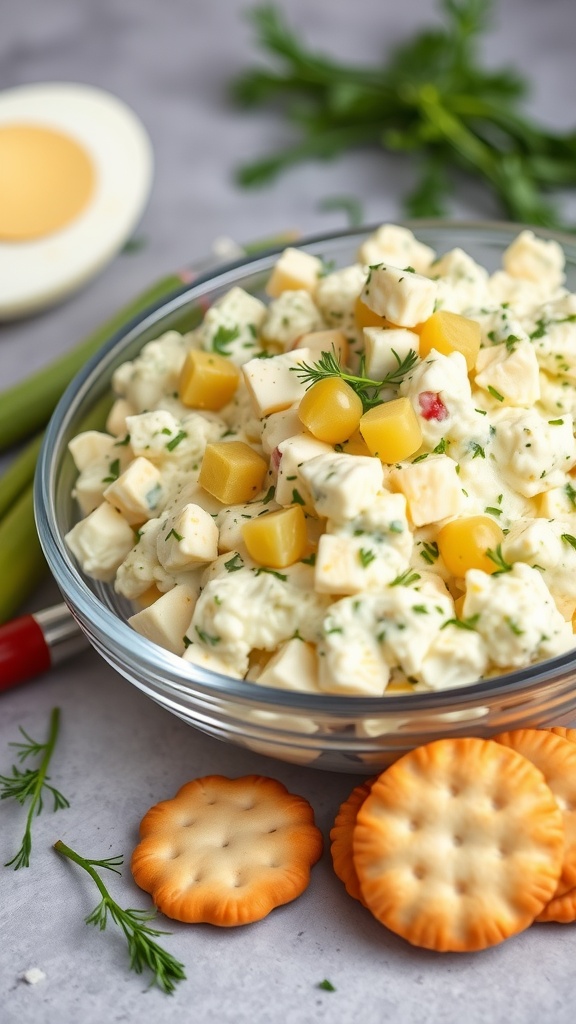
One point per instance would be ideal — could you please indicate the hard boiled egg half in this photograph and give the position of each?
(75, 174)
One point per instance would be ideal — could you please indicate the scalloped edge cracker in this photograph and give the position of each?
(226, 851)
(341, 835)
(555, 756)
(459, 845)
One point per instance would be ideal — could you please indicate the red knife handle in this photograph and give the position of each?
(23, 651)
(34, 643)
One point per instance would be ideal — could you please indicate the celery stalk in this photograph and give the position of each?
(27, 406)
(22, 564)
(19, 474)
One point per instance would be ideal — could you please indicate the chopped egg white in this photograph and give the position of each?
(366, 575)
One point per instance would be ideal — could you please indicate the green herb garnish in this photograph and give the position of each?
(223, 338)
(175, 534)
(349, 205)
(405, 579)
(271, 572)
(366, 557)
(495, 555)
(495, 394)
(326, 985)
(570, 494)
(433, 100)
(144, 951)
(234, 564)
(429, 552)
(113, 472)
(30, 784)
(368, 390)
(171, 445)
(310, 560)
(207, 638)
(469, 623)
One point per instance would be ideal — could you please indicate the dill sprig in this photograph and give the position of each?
(495, 555)
(143, 950)
(433, 99)
(30, 784)
(368, 390)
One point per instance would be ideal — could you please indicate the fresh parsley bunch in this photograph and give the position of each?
(432, 99)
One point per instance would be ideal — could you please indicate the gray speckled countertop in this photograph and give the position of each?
(119, 752)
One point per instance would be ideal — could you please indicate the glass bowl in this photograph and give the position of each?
(336, 733)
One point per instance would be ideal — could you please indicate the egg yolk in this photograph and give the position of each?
(46, 180)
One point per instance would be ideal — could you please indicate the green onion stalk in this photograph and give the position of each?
(25, 409)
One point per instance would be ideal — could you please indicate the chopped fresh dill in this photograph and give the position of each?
(495, 555)
(405, 579)
(30, 785)
(367, 389)
(135, 924)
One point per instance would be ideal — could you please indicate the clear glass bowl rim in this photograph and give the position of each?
(178, 676)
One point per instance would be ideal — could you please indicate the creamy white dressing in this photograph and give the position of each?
(372, 608)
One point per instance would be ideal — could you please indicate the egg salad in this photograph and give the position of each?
(363, 484)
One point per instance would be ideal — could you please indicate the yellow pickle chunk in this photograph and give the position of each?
(277, 539)
(391, 430)
(232, 471)
(463, 544)
(449, 332)
(331, 410)
(207, 380)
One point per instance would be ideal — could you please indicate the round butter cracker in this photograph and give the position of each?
(560, 909)
(459, 845)
(226, 851)
(341, 839)
(555, 756)
(564, 731)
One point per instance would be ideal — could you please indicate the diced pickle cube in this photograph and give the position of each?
(277, 539)
(391, 430)
(449, 332)
(207, 380)
(463, 544)
(331, 410)
(366, 317)
(355, 445)
(232, 471)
